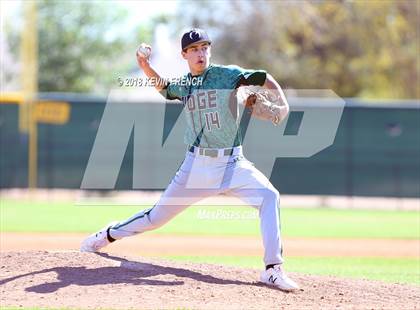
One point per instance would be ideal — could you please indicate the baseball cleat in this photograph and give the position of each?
(97, 241)
(275, 276)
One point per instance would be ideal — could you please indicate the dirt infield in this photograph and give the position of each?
(69, 279)
(91, 281)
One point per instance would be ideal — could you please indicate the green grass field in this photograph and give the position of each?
(26, 216)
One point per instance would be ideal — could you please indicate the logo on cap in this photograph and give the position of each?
(194, 35)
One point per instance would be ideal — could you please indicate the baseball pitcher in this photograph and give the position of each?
(214, 162)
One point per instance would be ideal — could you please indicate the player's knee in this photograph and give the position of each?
(272, 194)
(156, 223)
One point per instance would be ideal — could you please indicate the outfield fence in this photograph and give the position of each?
(376, 151)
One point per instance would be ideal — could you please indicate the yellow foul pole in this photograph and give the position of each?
(29, 61)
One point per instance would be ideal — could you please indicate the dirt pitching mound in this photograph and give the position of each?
(84, 280)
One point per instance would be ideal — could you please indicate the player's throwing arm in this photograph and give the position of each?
(143, 54)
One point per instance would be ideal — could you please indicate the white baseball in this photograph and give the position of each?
(144, 50)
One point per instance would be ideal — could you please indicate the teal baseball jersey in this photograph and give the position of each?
(210, 105)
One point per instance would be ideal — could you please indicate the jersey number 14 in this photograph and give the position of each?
(212, 120)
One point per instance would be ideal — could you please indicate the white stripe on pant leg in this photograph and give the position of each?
(138, 223)
(146, 220)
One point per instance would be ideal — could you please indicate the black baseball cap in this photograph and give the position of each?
(193, 36)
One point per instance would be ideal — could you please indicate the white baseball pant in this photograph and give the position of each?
(201, 176)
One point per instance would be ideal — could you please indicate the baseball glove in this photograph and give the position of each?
(261, 103)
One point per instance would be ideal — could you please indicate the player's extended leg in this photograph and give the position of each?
(250, 185)
(257, 191)
(177, 197)
(174, 200)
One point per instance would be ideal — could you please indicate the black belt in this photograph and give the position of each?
(211, 152)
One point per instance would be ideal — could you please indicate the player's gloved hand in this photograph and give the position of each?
(262, 104)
